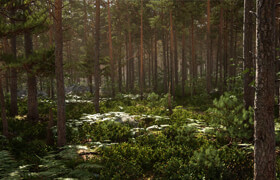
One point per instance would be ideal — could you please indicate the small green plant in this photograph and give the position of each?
(126, 161)
(231, 119)
(7, 164)
(68, 163)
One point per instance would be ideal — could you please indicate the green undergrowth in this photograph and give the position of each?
(134, 139)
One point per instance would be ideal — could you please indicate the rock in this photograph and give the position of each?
(21, 93)
(76, 89)
(42, 94)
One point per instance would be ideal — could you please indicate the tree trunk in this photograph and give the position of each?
(14, 107)
(193, 64)
(248, 65)
(184, 64)
(13, 87)
(3, 109)
(168, 60)
(112, 63)
(120, 68)
(127, 63)
(278, 55)
(171, 56)
(32, 104)
(176, 62)
(97, 55)
(155, 66)
(141, 53)
(131, 61)
(89, 76)
(231, 53)
(264, 151)
(220, 45)
(61, 128)
(225, 56)
(208, 62)
(51, 78)
(165, 71)
(120, 61)
(50, 139)
(150, 66)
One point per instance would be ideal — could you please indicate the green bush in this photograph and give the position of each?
(67, 163)
(181, 115)
(173, 168)
(206, 163)
(29, 151)
(110, 130)
(99, 131)
(125, 161)
(211, 162)
(76, 110)
(183, 135)
(231, 119)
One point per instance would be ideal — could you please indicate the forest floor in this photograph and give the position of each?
(136, 139)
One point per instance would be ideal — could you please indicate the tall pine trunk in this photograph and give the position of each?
(13, 87)
(141, 54)
(165, 70)
(61, 127)
(248, 66)
(220, 45)
(193, 55)
(155, 66)
(97, 55)
(172, 64)
(3, 109)
(264, 150)
(32, 104)
(112, 63)
(208, 62)
(184, 63)
(176, 61)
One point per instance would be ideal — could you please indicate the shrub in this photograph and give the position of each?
(173, 168)
(125, 161)
(231, 119)
(67, 163)
(110, 130)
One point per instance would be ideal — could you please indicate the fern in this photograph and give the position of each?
(8, 165)
(68, 164)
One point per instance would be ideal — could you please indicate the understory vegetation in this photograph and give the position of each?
(134, 139)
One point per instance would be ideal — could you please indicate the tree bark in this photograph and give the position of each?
(165, 70)
(208, 62)
(97, 55)
(3, 109)
(220, 45)
(184, 64)
(127, 63)
(155, 66)
(120, 68)
(131, 64)
(264, 151)
(13, 87)
(176, 62)
(193, 63)
(225, 56)
(112, 63)
(32, 104)
(248, 65)
(141, 54)
(172, 73)
(61, 127)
